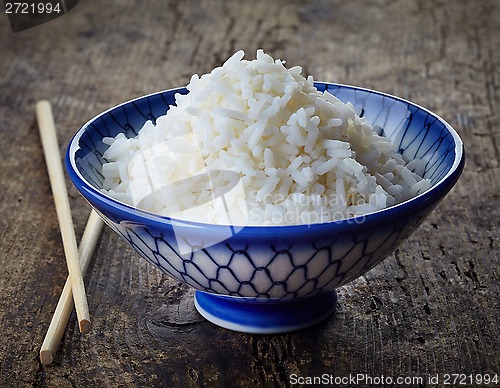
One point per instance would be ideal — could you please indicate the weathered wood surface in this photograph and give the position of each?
(431, 308)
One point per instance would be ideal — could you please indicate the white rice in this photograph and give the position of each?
(291, 154)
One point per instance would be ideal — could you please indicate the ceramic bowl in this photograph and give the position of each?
(271, 279)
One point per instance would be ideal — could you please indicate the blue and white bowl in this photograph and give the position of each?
(272, 279)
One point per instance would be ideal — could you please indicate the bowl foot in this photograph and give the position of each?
(248, 316)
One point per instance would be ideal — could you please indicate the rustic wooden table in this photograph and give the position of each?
(429, 310)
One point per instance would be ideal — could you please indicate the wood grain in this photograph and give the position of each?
(431, 308)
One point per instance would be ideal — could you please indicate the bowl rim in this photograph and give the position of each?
(136, 215)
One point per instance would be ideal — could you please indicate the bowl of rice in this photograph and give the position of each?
(263, 189)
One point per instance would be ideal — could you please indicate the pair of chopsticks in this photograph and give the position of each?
(77, 258)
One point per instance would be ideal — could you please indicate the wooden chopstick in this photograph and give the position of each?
(54, 166)
(65, 304)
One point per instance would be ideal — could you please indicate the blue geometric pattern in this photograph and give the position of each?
(269, 272)
(276, 263)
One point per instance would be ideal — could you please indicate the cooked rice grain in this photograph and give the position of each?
(302, 156)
